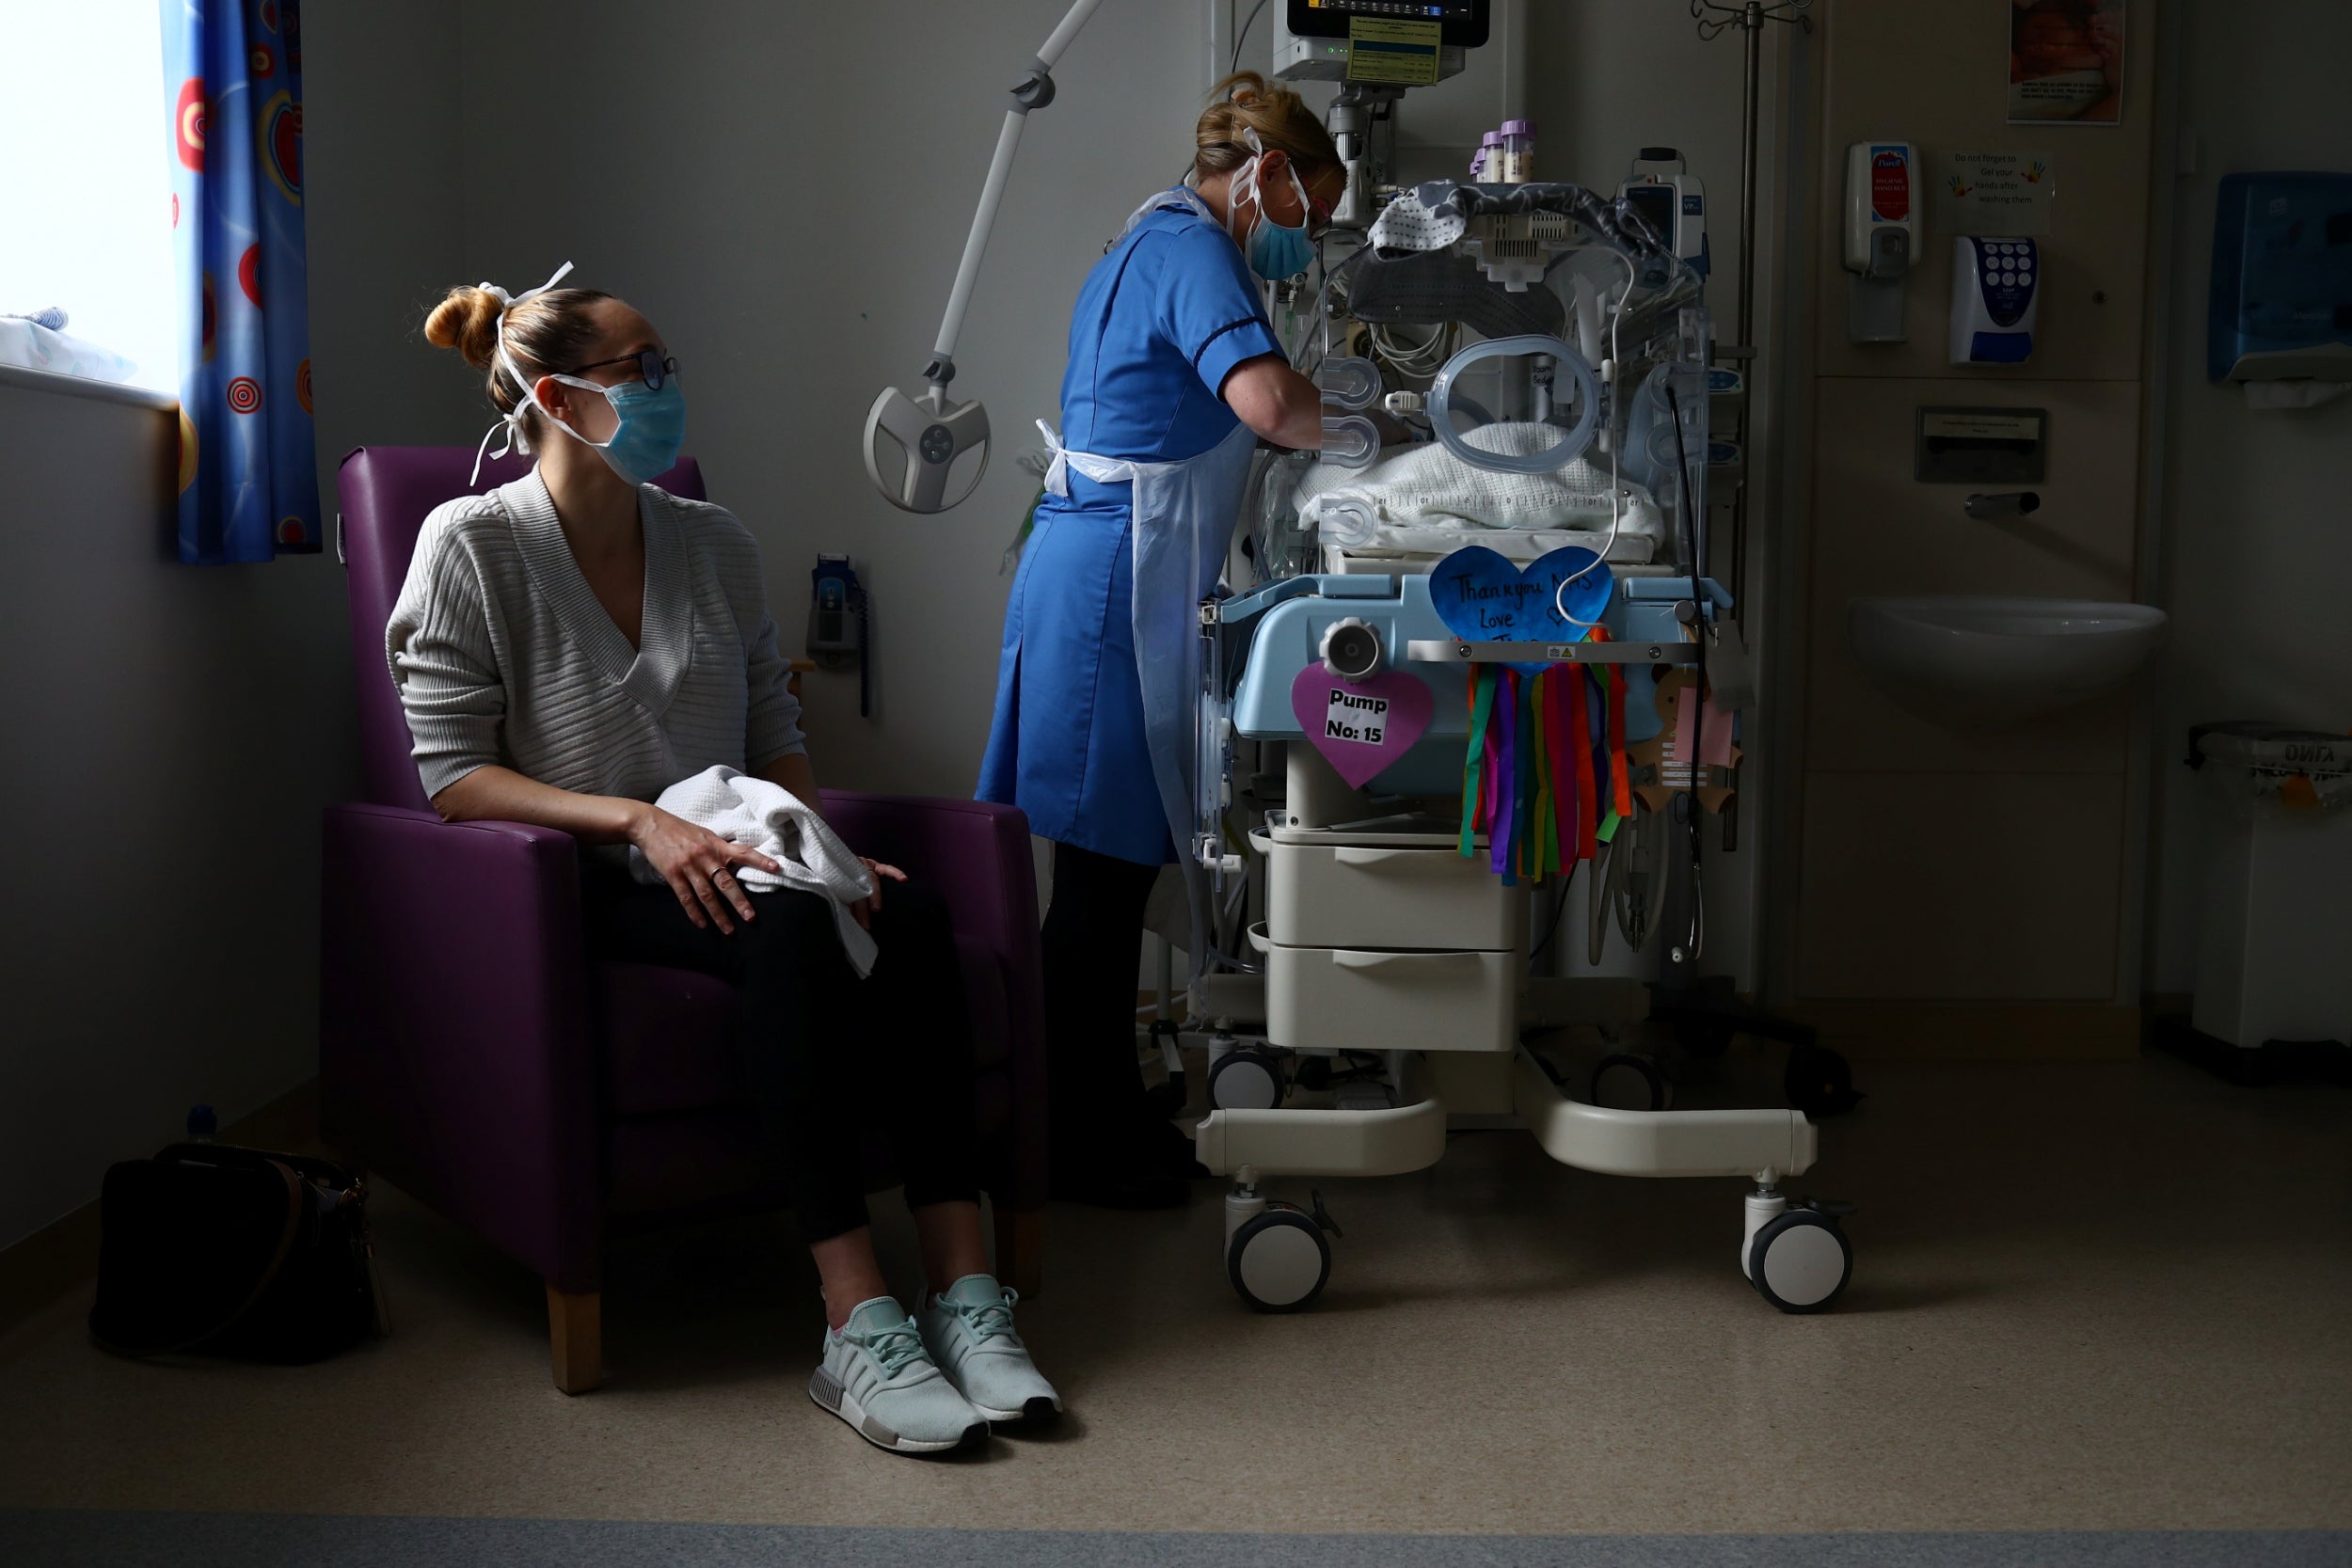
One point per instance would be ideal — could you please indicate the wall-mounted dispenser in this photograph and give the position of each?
(1882, 236)
(2280, 312)
(1996, 293)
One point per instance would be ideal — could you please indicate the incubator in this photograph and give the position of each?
(1438, 673)
(1448, 670)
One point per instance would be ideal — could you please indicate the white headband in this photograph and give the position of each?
(512, 423)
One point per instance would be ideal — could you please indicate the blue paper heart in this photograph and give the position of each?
(1482, 597)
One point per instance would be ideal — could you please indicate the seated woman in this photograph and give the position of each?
(569, 645)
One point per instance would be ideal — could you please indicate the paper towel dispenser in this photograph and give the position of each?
(2281, 304)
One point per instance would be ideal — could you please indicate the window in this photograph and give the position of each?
(86, 187)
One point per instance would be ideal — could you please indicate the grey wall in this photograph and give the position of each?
(173, 731)
(388, 162)
(789, 212)
(2257, 519)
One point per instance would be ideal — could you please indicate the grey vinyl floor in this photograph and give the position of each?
(2089, 1299)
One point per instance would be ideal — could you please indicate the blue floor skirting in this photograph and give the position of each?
(42, 1538)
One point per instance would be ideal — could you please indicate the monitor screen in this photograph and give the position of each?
(1463, 22)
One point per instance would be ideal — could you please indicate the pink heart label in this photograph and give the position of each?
(1360, 727)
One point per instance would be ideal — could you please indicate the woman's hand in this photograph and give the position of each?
(863, 910)
(698, 865)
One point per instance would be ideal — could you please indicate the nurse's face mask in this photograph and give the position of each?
(1274, 250)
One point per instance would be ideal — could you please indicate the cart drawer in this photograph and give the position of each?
(1368, 895)
(1374, 998)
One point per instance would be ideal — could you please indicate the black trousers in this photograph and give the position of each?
(1093, 935)
(827, 1055)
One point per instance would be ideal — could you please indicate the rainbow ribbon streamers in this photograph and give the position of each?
(1508, 754)
(1476, 763)
(1545, 774)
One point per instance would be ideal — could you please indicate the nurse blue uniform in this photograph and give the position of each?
(1163, 319)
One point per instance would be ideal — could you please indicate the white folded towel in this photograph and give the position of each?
(771, 819)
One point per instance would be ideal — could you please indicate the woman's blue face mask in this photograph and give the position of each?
(650, 425)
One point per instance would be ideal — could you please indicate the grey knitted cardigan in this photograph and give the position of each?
(504, 655)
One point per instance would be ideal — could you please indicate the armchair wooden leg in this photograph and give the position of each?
(576, 1336)
(1021, 1250)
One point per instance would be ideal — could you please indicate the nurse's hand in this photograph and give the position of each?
(699, 865)
(863, 910)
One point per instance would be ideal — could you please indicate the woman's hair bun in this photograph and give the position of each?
(467, 321)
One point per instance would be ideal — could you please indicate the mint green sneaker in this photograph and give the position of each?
(877, 1376)
(968, 1330)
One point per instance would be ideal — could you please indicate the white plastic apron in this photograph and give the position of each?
(1184, 513)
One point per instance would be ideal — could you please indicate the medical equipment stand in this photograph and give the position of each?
(1278, 1258)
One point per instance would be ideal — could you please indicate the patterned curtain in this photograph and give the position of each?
(248, 472)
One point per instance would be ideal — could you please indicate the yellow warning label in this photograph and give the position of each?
(1403, 53)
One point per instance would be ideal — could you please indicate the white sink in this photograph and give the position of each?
(1975, 660)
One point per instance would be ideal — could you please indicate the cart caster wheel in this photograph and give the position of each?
(1819, 1082)
(1801, 1262)
(1626, 1082)
(1246, 1080)
(1280, 1262)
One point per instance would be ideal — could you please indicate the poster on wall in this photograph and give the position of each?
(2066, 62)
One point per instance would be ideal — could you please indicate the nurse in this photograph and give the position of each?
(1174, 376)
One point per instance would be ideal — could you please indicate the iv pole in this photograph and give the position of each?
(1818, 1080)
(1714, 20)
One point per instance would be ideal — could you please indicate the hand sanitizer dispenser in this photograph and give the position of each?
(1997, 285)
(1882, 236)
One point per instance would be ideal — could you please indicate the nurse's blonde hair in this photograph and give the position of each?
(1248, 101)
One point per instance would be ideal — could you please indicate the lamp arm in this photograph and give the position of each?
(1034, 90)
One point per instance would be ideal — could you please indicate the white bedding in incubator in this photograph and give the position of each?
(1423, 499)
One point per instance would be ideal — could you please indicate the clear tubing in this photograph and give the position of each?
(1616, 490)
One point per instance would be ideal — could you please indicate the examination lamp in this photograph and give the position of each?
(932, 430)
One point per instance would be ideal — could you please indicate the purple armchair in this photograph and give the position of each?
(470, 1053)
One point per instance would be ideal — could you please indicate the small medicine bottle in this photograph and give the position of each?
(1519, 151)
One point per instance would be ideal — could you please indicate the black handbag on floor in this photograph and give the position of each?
(213, 1250)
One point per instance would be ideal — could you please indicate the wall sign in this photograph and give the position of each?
(1362, 726)
(1981, 446)
(1994, 195)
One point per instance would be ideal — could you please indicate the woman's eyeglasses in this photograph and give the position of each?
(651, 367)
